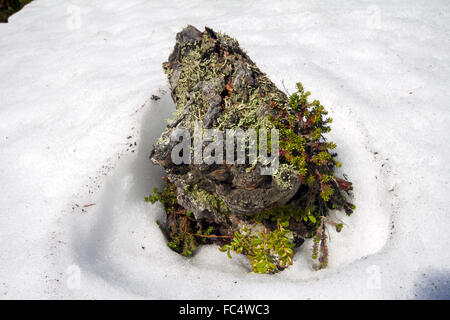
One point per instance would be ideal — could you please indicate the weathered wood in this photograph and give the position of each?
(214, 81)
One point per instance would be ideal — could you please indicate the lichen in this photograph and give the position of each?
(285, 176)
(244, 114)
(209, 200)
(242, 107)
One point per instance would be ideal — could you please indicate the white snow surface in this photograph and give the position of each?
(75, 88)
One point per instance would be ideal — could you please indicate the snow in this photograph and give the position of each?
(77, 78)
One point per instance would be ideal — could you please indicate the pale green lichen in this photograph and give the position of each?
(244, 113)
(285, 176)
(209, 200)
(195, 68)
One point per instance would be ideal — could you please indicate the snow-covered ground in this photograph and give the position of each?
(76, 81)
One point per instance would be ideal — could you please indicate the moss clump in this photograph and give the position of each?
(267, 251)
(167, 197)
(305, 152)
(184, 232)
(209, 200)
(302, 125)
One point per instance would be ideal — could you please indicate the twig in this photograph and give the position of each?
(208, 236)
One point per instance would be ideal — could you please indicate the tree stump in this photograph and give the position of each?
(215, 85)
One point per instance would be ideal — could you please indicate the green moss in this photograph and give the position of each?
(304, 152)
(182, 243)
(301, 125)
(185, 233)
(207, 199)
(282, 213)
(267, 251)
(167, 197)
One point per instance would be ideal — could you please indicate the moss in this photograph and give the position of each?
(207, 199)
(184, 232)
(304, 153)
(167, 197)
(281, 213)
(301, 125)
(267, 251)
